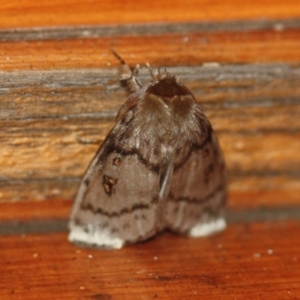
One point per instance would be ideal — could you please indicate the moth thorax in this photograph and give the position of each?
(168, 87)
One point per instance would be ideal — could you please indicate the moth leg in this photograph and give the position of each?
(127, 76)
(135, 70)
(153, 75)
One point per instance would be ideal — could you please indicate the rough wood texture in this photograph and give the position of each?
(54, 121)
(254, 261)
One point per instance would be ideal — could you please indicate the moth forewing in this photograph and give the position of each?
(198, 193)
(117, 199)
(159, 168)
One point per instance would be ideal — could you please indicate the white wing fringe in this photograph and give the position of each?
(205, 229)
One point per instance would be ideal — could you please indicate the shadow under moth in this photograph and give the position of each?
(160, 167)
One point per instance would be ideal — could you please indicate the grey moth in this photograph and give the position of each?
(159, 168)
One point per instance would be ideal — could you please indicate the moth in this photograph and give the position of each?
(160, 167)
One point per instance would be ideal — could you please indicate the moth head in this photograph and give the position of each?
(165, 88)
(168, 87)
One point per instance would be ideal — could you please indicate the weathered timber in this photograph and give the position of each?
(53, 121)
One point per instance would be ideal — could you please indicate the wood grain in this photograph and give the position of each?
(54, 121)
(22, 211)
(192, 48)
(250, 261)
(20, 14)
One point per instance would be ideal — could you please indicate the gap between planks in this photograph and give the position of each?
(267, 215)
(155, 29)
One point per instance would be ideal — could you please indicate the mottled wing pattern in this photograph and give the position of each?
(198, 192)
(160, 167)
(117, 199)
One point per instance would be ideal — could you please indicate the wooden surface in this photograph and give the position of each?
(15, 14)
(188, 49)
(59, 92)
(254, 261)
(53, 122)
(59, 95)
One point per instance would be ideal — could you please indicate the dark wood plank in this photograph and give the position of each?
(254, 261)
(34, 210)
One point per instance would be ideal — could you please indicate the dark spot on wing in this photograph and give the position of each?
(134, 152)
(108, 183)
(116, 161)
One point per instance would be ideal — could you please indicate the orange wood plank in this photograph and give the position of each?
(25, 13)
(35, 210)
(179, 49)
(256, 261)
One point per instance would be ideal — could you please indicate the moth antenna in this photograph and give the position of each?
(127, 75)
(153, 75)
(136, 69)
(122, 61)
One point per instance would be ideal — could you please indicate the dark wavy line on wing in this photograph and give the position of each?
(121, 212)
(195, 200)
(155, 168)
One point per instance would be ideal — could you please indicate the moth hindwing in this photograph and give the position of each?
(159, 168)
